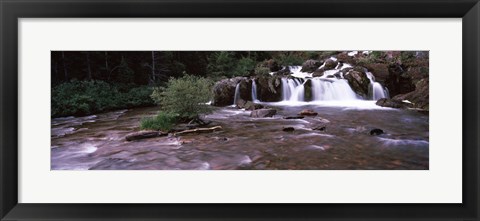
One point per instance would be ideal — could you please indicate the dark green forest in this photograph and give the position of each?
(87, 82)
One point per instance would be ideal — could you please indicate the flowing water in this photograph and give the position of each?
(338, 138)
(98, 141)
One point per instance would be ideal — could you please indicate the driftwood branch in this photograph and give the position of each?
(199, 130)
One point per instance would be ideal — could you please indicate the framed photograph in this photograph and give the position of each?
(256, 110)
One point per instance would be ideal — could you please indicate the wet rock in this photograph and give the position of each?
(284, 72)
(224, 91)
(320, 128)
(294, 117)
(308, 112)
(288, 129)
(330, 64)
(252, 106)
(376, 131)
(241, 103)
(398, 82)
(310, 65)
(318, 73)
(143, 135)
(419, 98)
(393, 103)
(269, 88)
(322, 120)
(358, 81)
(221, 138)
(380, 71)
(263, 113)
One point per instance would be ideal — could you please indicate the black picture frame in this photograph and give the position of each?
(11, 10)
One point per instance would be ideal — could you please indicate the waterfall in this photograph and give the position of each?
(376, 91)
(254, 91)
(329, 87)
(298, 93)
(237, 94)
(292, 90)
(332, 89)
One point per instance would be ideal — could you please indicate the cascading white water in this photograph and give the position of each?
(298, 93)
(237, 94)
(332, 89)
(331, 86)
(254, 91)
(376, 91)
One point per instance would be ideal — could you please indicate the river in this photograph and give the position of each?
(98, 142)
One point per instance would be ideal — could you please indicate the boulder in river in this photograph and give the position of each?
(263, 113)
(308, 112)
(288, 129)
(393, 103)
(330, 64)
(310, 65)
(252, 106)
(376, 131)
(224, 91)
(241, 103)
(294, 117)
(358, 81)
(320, 128)
(269, 88)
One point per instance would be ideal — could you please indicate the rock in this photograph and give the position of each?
(320, 128)
(398, 81)
(269, 88)
(419, 98)
(252, 106)
(318, 73)
(330, 64)
(284, 72)
(294, 117)
(358, 81)
(310, 65)
(273, 65)
(393, 103)
(288, 129)
(322, 120)
(143, 135)
(263, 113)
(376, 131)
(380, 71)
(241, 103)
(308, 112)
(224, 91)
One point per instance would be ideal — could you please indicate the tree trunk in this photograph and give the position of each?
(106, 63)
(89, 70)
(64, 66)
(153, 66)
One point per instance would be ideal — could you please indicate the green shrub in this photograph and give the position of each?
(288, 59)
(164, 121)
(79, 98)
(262, 71)
(186, 96)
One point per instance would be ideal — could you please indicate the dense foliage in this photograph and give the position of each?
(88, 97)
(185, 96)
(156, 67)
(87, 82)
(164, 121)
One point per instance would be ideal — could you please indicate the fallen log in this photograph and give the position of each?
(143, 135)
(198, 130)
